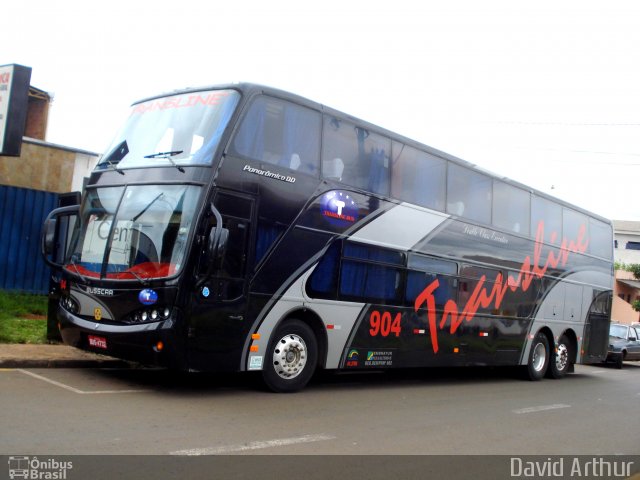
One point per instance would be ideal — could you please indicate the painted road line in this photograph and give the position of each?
(541, 408)
(279, 442)
(76, 390)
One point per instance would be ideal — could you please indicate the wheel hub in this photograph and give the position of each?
(562, 357)
(290, 356)
(539, 357)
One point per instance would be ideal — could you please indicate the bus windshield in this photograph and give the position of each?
(134, 232)
(174, 130)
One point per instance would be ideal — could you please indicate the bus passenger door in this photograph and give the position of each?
(218, 318)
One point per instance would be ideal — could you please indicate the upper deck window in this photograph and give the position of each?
(355, 156)
(574, 225)
(468, 194)
(418, 177)
(601, 240)
(511, 208)
(280, 133)
(546, 215)
(178, 129)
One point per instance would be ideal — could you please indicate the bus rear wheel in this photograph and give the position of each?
(561, 361)
(291, 357)
(538, 357)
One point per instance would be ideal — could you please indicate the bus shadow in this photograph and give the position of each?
(187, 383)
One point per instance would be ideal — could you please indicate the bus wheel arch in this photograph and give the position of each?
(293, 353)
(563, 355)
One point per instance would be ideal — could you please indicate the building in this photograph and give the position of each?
(626, 236)
(626, 289)
(42, 165)
(47, 167)
(31, 185)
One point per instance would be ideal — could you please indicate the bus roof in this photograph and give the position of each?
(248, 90)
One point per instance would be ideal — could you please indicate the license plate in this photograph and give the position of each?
(97, 342)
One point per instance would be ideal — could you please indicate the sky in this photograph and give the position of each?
(546, 93)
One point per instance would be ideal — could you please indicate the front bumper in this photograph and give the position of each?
(137, 343)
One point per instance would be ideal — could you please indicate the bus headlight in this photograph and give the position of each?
(151, 315)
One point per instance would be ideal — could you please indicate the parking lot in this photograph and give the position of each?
(438, 411)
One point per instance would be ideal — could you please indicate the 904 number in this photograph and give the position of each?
(384, 324)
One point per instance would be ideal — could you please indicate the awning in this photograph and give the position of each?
(631, 283)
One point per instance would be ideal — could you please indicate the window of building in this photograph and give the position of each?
(280, 133)
(633, 245)
(355, 156)
(418, 177)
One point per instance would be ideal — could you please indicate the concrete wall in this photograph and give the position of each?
(621, 254)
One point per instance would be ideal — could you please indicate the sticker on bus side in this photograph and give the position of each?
(339, 208)
(255, 363)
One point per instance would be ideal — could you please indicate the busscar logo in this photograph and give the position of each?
(106, 292)
(34, 468)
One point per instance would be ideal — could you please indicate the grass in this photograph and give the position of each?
(23, 318)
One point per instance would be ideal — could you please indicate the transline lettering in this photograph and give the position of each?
(485, 296)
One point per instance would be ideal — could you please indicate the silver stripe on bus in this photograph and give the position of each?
(400, 228)
(418, 223)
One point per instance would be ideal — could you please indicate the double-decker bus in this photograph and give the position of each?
(243, 228)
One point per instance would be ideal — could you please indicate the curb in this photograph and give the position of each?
(54, 356)
(61, 363)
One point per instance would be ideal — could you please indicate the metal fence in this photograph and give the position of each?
(22, 213)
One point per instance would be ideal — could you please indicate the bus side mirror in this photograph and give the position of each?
(222, 247)
(55, 234)
(49, 236)
(216, 248)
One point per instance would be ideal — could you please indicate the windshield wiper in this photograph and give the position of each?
(167, 156)
(140, 279)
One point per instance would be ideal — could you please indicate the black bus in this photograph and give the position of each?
(240, 227)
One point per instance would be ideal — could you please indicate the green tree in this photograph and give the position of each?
(618, 265)
(636, 305)
(635, 269)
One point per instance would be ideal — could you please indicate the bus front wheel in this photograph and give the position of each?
(291, 357)
(538, 357)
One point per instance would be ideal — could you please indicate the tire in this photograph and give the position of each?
(619, 360)
(560, 361)
(291, 358)
(538, 358)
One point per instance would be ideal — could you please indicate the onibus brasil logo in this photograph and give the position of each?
(37, 469)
